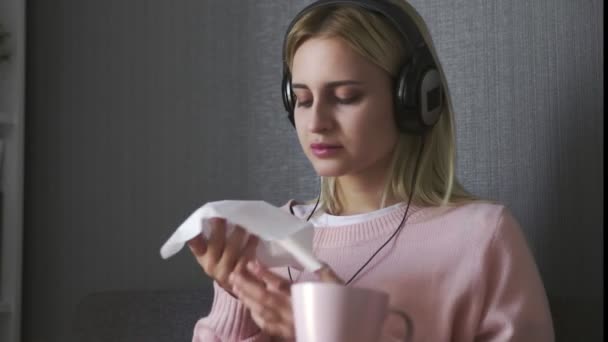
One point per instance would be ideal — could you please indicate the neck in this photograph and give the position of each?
(358, 196)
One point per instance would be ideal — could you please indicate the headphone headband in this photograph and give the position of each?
(400, 20)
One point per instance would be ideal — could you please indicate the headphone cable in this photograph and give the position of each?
(399, 227)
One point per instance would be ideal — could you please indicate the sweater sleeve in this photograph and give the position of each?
(228, 320)
(515, 303)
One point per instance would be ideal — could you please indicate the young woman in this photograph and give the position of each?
(373, 114)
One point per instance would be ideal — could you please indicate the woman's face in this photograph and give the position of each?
(344, 109)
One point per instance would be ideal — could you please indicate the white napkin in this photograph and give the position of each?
(285, 240)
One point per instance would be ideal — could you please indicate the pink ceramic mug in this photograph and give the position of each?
(325, 312)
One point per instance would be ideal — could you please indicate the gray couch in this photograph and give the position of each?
(133, 316)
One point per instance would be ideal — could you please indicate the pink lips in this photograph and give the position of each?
(324, 150)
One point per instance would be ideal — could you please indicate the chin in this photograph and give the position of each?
(328, 170)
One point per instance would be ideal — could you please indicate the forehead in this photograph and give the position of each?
(330, 59)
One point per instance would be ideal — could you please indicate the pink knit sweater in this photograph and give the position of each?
(462, 273)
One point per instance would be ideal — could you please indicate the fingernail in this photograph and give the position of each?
(231, 277)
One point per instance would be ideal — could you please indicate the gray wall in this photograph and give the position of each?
(140, 111)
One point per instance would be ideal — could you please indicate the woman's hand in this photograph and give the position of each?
(219, 256)
(268, 297)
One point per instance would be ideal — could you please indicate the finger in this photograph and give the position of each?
(230, 254)
(283, 330)
(287, 331)
(197, 245)
(251, 246)
(254, 291)
(215, 243)
(269, 320)
(247, 284)
(248, 253)
(273, 317)
(273, 281)
(266, 314)
(326, 274)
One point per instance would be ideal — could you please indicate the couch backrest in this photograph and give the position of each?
(133, 316)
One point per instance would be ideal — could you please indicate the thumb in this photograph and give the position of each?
(328, 275)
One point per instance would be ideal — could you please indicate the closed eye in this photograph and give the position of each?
(305, 104)
(347, 101)
(341, 101)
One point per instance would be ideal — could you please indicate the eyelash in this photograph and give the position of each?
(348, 101)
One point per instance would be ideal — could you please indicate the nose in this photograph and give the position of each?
(321, 117)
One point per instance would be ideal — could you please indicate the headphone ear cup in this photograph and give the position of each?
(431, 97)
(419, 95)
(288, 97)
(407, 115)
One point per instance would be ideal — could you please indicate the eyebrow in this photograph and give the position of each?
(333, 84)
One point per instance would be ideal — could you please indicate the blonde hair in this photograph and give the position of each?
(373, 37)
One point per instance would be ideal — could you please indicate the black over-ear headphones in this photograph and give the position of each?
(418, 90)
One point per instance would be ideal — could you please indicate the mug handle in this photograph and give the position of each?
(409, 325)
